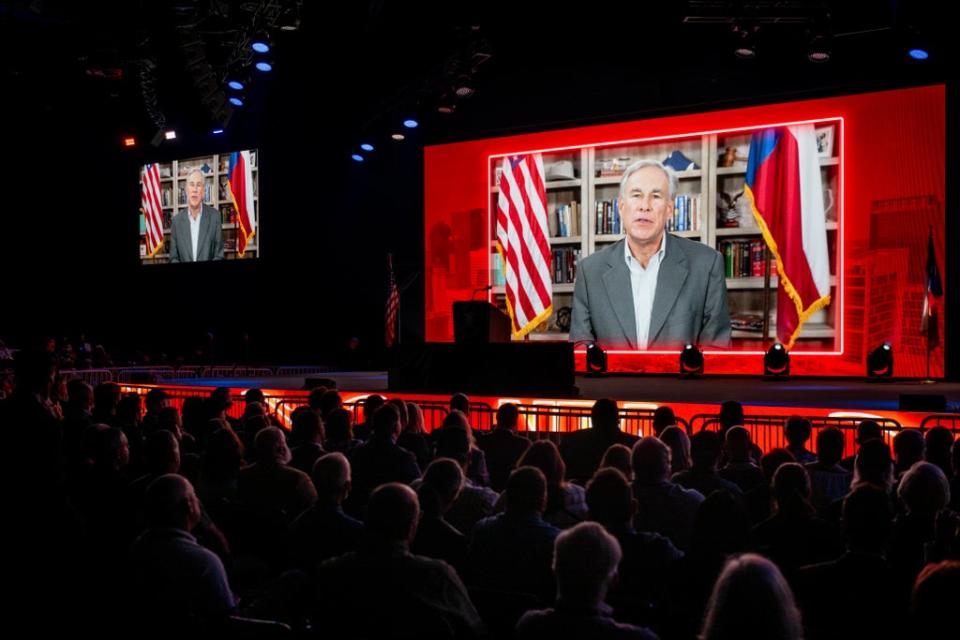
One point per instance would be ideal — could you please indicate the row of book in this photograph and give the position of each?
(608, 217)
(745, 258)
(686, 214)
(565, 221)
(564, 265)
(565, 261)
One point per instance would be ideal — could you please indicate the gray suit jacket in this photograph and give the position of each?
(689, 306)
(210, 242)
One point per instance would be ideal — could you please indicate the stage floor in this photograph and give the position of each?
(850, 393)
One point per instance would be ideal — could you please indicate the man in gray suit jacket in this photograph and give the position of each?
(195, 233)
(651, 290)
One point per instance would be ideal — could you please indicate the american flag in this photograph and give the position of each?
(151, 206)
(522, 241)
(930, 322)
(393, 307)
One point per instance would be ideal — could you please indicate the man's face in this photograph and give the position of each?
(195, 190)
(645, 205)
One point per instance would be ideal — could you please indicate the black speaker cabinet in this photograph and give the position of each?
(511, 368)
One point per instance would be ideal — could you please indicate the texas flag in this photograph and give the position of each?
(784, 186)
(241, 192)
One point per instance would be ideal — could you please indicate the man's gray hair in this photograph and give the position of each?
(672, 179)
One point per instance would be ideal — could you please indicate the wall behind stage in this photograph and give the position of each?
(894, 173)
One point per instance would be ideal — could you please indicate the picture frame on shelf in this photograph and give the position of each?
(824, 137)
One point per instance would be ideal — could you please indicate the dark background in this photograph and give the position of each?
(75, 83)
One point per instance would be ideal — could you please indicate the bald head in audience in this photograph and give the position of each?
(393, 513)
(170, 502)
(331, 478)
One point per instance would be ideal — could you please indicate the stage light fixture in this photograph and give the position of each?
(357, 157)
(818, 51)
(745, 41)
(129, 141)
(918, 54)
(410, 123)
(596, 359)
(236, 85)
(218, 131)
(170, 134)
(691, 362)
(776, 362)
(880, 363)
(366, 146)
(236, 101)
(264, 66)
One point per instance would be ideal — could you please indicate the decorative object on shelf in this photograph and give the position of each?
(731, 156)
(560, 170)
(728, 211)
(679, 162)
(563, 319)
(824, 141)
(828, 205)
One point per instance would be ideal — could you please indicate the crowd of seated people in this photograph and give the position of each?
(187, 518)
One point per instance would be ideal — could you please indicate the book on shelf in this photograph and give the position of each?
(745, 258)
(608, 217)
(496, 270)
(686, 214)
(565, 221)
(565, 261)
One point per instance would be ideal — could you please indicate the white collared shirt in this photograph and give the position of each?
(643, 283)
(195, 230)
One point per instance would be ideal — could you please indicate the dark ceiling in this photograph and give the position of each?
(132, 66)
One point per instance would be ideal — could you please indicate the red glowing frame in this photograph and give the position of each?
(874, 166)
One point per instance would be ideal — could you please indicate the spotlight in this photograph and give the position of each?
(236, 85)
(260, 44)
(776, 363)
(818, 50)
(217, 131)
(918, 54)
(366, 146)
(357, 157)
(880, 363)
(170, 134)
(129, 141)
(746, 42)
(691, 362)
(264, 66)
(397, 136)
(410, 123)
(596, 359)
(236, 101)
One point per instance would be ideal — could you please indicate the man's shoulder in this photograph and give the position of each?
(694, 249)
(603, 256)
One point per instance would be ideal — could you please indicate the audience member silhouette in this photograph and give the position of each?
(437, 538)
(582, 450)
(502, 446)
(384, 591)
(797, 431)
(702, 476)
(751, 600)
(664, 507)
(679, 443)
(324, 531)
(513, 550)
(585, 564)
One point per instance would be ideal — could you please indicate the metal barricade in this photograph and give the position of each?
(767, 432)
